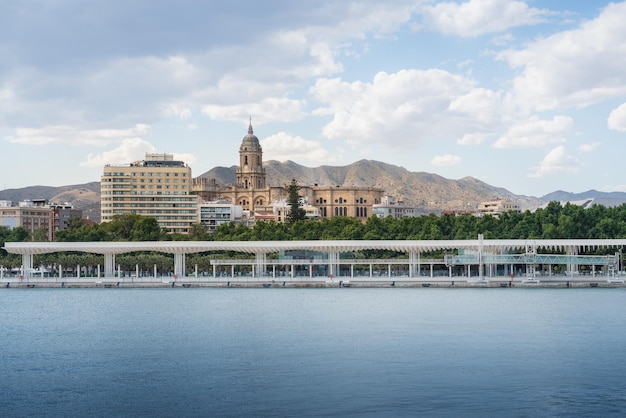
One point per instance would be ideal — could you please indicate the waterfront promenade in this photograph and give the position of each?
(460, 263)
(559, 281)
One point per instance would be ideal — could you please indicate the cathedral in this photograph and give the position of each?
(252, 193)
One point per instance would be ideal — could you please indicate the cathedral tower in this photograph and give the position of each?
(250, 174)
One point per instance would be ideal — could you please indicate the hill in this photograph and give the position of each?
(562, 196)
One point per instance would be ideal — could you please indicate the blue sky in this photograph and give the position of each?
(525, 95)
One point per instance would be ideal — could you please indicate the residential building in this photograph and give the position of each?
(158, 186)
(37, 214)
(390, 208)
(281, 210)
(497, 206)
(61, 215)
(214, 214)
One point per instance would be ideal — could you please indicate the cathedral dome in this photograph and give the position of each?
(250, 142)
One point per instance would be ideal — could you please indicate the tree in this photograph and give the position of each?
(40, 234)
(198, 232)
(296, 212)
(18, 234)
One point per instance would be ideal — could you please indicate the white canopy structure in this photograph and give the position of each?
(479, 247)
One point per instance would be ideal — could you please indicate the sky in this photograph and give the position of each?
(525, 95)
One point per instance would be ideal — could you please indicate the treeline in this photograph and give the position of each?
(552, 222)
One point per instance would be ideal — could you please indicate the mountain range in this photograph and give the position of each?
(429, 192)
(426, 191)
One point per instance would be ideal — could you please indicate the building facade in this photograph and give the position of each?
(389, 208)
(158, 186)
(37, 215)
(214, 214)
(252, 193)
(497, 206)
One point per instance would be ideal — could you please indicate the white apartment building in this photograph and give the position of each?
(213, 214)
(390, 208)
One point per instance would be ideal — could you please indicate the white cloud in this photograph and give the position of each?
(405, 108)
(472, 139)
(180, 111)
(573, 68)
(187, 158)
(478, 17)
(283, 147)
(72, 136)
(535, 132)
(445, 160)
(617, 119)
(131, 149)
(480, 104)
(116, 77)
(557, 161)
(270, 109)
(588, 147)
(128, 151)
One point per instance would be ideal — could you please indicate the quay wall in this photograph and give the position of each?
(353, 282)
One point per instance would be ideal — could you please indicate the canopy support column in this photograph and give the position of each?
(27, 265)
(261, 262)
(333, 258)
(413, 264)
(179, 264)
(109, 265)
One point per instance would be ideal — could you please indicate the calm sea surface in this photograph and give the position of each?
(313, 352)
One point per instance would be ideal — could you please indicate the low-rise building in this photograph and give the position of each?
(281, 210)
(37, 214)
(390, 208)
(497, 206)
(213, 214)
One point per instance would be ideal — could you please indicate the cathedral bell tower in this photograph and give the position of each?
(250, 174)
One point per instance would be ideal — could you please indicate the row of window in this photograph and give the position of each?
(149, 192)
(244, 202)
(160, 199)
(341, 200)
(14, 213)
(128, 186)
(141, 174)
(107, 183)
(159, 181)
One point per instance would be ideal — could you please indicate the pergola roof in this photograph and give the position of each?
(266, 247)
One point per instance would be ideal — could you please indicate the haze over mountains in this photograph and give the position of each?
(427, 191)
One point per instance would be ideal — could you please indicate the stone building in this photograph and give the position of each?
(253, 194)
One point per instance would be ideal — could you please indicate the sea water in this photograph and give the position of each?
(313, 352)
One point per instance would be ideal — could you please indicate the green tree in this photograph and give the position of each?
(198, 232)
(296, 212)
(40, 234)
(18, 234)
